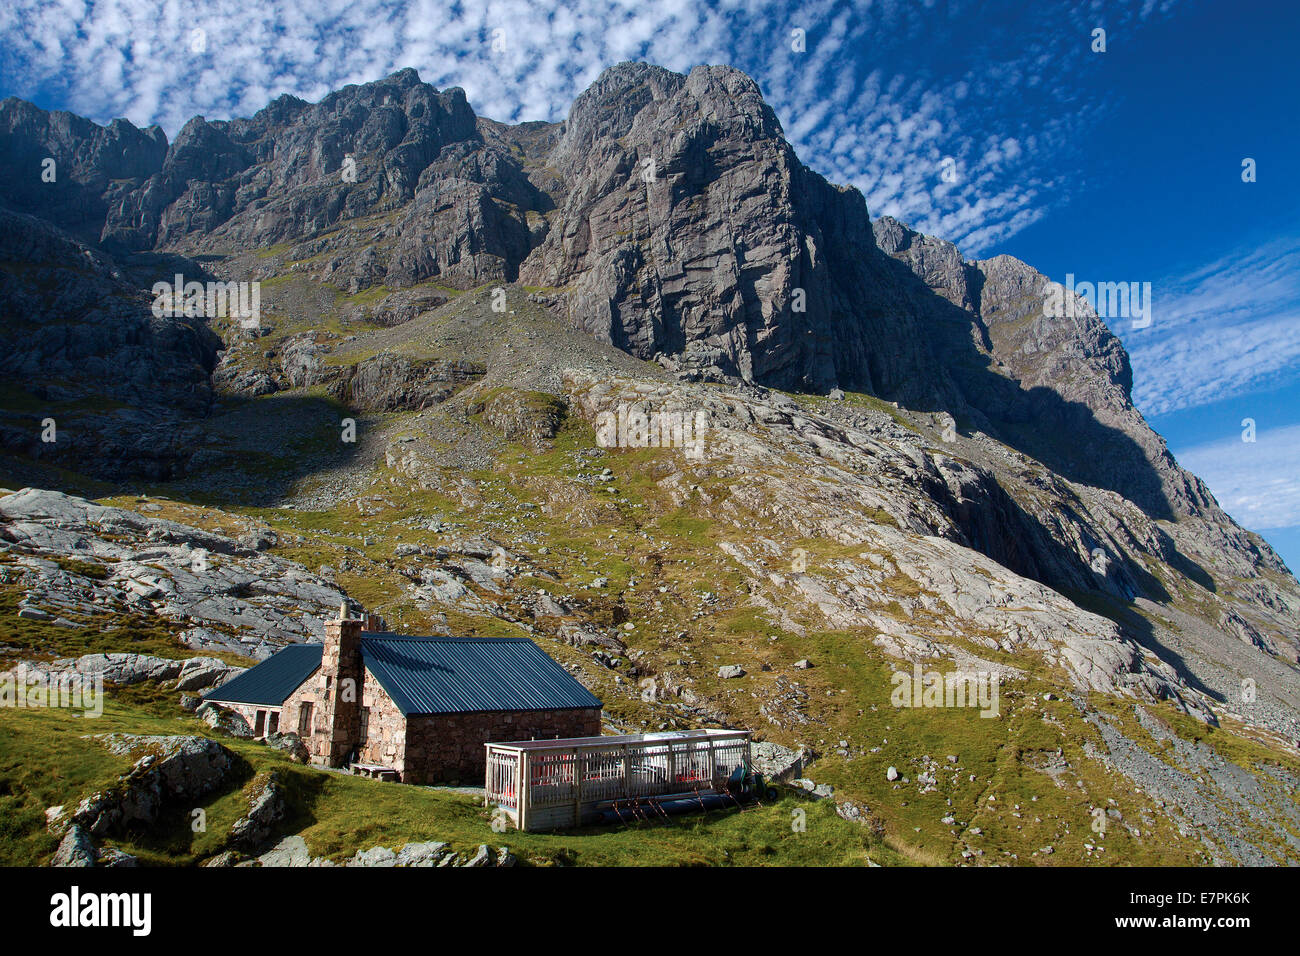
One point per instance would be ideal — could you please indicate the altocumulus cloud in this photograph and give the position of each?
(859, 103)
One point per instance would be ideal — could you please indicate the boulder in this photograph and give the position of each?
(225, 720)
(291, 851)
(482, 856)
(202, 673)
(375, 856)
(853, 812)
(422, 854)
(266, 808)
(291, 744)
(775, 762)
(76, 849)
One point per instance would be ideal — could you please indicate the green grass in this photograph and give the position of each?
(48, 759)
(87, 569)
(999, 753)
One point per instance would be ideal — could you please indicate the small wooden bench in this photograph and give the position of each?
(375, 771)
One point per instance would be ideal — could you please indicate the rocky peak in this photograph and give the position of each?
(607, 108)
(92, 163)
(935, 261)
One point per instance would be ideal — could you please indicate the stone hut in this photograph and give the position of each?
(417, 709)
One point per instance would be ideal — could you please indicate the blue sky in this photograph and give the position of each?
(1115, 166)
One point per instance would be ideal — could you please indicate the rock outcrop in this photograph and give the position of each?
(228, 592)
(191, 674)
(266, 808)
(166, 769)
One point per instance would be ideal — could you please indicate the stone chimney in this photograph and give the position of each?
(341, 693)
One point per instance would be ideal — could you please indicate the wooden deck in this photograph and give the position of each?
(552, 784)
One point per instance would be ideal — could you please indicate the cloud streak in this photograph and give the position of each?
(1222, 330)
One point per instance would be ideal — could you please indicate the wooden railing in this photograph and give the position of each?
(503, 778)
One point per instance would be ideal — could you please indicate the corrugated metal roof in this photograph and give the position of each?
(271, 681)
(439, 675)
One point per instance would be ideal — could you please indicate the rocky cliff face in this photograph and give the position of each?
(80, 345)
(690, 229)
(69, 170)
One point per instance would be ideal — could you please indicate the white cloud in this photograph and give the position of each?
(1221, 330)
(884, 131)
(1257, 482)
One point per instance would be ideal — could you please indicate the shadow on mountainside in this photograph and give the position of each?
(248, 452)
(1140, 629)
(257, 451)
(1064, 435)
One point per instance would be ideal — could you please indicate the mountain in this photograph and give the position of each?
(907, 457)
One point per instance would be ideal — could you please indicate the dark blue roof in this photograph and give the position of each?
(439, 675)
(427, 675)
(271, 681)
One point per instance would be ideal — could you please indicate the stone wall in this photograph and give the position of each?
(385, 728)
(312, 691)
(386, 743)
(448, 748)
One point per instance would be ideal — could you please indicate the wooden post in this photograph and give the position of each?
(627, 772)
(577, 785)
(521, 792)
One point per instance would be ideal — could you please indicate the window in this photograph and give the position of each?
(304, 719)
(365, 725)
